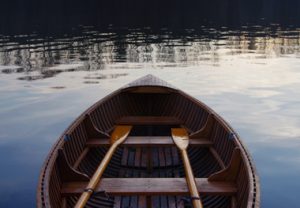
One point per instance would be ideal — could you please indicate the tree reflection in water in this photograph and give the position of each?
(41, 57)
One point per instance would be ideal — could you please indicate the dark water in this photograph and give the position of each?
(240, 57)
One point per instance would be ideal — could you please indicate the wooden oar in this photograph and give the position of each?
(118, 136)
(181, 139)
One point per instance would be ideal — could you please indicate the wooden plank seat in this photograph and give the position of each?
(148, 141)
(148, 120)
(152, 186)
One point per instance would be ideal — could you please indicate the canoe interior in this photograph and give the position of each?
(132, 162)
(146, 161)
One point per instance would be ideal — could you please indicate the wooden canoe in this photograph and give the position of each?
(146, 170)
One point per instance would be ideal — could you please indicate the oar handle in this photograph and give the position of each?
(190, 179)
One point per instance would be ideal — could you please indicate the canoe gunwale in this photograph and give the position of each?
(43, 199)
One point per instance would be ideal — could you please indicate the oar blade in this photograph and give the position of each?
(120, 133)
(180, 137)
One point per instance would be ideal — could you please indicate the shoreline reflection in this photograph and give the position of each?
(40, 58)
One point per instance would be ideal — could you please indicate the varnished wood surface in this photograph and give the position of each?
(181, 139)
(152, 186)
(148, 120)
(231, 171)
(118, 136)
(149, 141)
(139, 99)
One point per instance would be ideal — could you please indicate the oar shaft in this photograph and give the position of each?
(118, 136)
(191, 180)
(96, 177)
(181, 139)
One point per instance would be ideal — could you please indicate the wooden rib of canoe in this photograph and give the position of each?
(147, 170)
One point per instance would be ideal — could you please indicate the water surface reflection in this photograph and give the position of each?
(240, 57)
(34, 57)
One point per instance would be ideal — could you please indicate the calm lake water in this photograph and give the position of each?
(247, 69)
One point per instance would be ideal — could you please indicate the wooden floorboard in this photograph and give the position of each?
(152, 186)
(149, 141)
(148, 120)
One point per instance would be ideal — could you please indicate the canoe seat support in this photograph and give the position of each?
(67, 173)
(148, 120)
(148, 141)
(151, 186)
(230, 173)
(206, 130)
(92, 130)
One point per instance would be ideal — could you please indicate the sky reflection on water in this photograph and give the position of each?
(249, 76)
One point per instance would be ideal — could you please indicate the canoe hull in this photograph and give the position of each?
(153, 107)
